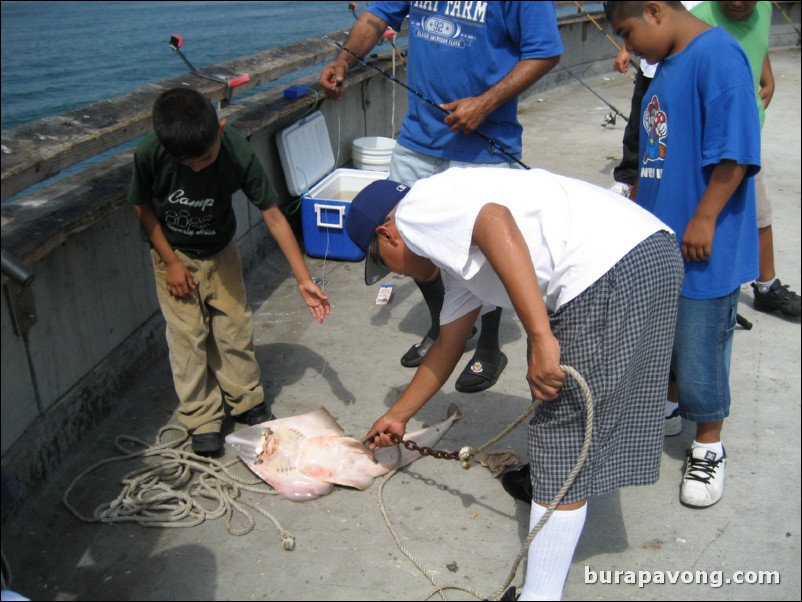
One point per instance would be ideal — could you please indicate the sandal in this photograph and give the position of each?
(479, 375)
(414, 355)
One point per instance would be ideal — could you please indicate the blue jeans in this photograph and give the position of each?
(700, 361)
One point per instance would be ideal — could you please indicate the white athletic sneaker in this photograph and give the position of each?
(673, 424)
(621, 188)
(703, 483)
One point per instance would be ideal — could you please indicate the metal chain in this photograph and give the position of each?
(429, 451)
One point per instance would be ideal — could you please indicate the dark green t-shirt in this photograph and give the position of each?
(195, 209)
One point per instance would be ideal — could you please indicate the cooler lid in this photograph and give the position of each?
(305, 152)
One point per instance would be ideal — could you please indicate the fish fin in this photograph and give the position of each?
(247, 442)
(454, 413)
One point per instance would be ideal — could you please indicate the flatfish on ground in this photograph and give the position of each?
(303, 457)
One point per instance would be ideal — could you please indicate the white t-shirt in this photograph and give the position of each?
(575, 232)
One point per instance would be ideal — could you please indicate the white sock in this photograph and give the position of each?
(670, 407)
(716, 447)
(551, 552)
(763, 287)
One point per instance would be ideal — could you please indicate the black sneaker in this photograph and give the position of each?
(518, 483)
(510, 594)
(207, 444)
(778, 297)
(256, 415)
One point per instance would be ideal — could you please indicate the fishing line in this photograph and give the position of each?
(617, 112)
(494, 146)
(320, 282)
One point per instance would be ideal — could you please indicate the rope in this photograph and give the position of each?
(583, 453)
(168, 494)
(467, 453)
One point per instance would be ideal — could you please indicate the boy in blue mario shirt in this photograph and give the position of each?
(700, 147)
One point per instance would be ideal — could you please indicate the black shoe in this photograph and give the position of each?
(510, 594)
(256, 415)
(479, 375)
(778, 297)
(518, 483)
(207, 444)
(414, 355)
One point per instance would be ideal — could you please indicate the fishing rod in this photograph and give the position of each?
(787, 18)
(601, 29)
(494, 146)
(176, 41)
(610, 118)
(596, 23)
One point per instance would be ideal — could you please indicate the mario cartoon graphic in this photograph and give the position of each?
(656, 126)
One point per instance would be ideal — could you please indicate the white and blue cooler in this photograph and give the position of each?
(307, 159)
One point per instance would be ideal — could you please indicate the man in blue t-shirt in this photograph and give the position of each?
(473, 60)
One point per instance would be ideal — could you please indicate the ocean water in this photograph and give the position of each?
(58, 56)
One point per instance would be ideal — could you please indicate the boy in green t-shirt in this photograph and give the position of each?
(185, 174)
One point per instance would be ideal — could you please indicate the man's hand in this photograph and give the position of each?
(332, 78)
(544, 375)
(465, 115)
(385, 432)
(621, 62)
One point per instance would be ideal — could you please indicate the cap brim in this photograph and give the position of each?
(373, 271)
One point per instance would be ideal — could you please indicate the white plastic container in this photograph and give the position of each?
(372, 153)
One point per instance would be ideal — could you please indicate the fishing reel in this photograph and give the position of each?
(609, 119)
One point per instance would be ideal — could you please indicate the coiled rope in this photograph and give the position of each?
(468, 454)
(168, 494)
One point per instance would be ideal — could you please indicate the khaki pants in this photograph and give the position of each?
(210, 336)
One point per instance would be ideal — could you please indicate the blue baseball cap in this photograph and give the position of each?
(368, 211)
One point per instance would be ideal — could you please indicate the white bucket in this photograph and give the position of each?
(372, 153)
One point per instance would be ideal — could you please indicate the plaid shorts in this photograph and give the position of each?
(618, 335)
